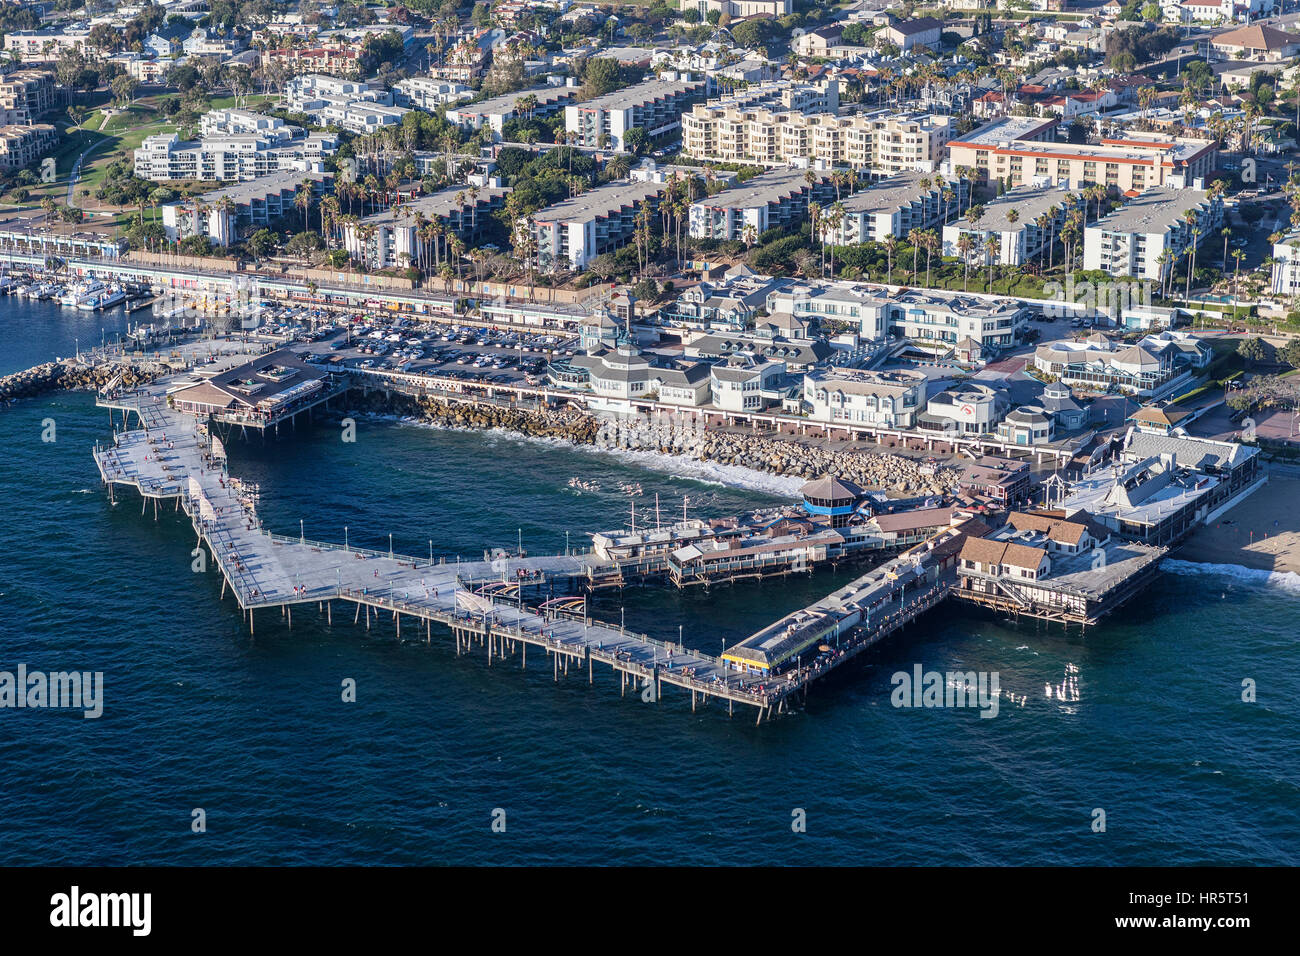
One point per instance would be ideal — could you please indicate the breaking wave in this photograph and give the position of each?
(1287, 580)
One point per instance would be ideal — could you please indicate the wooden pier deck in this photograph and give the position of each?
(169, 457)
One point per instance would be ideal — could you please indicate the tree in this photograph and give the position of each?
(1251, 349)
(1290, 353)
(635, 140)
(601, 76)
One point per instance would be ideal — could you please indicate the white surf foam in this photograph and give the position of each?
(676, 466)
(1287, 580)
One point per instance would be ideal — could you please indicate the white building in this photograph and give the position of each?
(655, 106)
(569, 234)
(495, 112)
(737, 384)
(1146, 236)
(226, 215)
(427, 93)
(858, 397)
(778, 199)
(1012, 220)
(896, 205)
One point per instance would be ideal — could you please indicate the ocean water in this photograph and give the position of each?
(253, 731)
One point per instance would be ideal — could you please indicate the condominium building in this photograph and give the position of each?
(1013, 222)
(331, 59)
(882, 141)
(775, 200)
(23, 145)
(494, 112)
(655, 106)
(898, 204)
(26, 95)
(1018, 151)
(230, 157)
(393, 237)
(737, 384)
(312, 92)
(1145, 237)
(428, 93)
(859, 397)
(569, 234)
(1286, 265)
(44, 46)
(360, 116)
(226, 215)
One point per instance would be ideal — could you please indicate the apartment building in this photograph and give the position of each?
(312, 92)
(655, 106)
(360, 116)
(331, 59)
(536, 102)
(1012, 220)
(731, 304)
(231, 157)
(26, 95)
(23, 145)
(914, 32)
(44, 46)
(881, 141)
(741, 8)
(226, 215)
(1145, 237)
(860, 397)
(427, 93)
(393, 237)
(776, 200)
(569, 234)
(242, 122)
(1019, 152)
(898, 204)
(1286, 265)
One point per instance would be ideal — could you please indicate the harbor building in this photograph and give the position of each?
(570, 233)
(1001, 481)
(1155, 365)
(865, 398)
(261, 393)
(775, 200)
(1054, 567)
(970, 408)
(1146, 237)
(397, 237)
(1021, 222)
(730, 304)
(1153, 500)
(898, 204)
(495, 112)
(1019, 151)
(833, 499)
(655, 106)
(739, 383)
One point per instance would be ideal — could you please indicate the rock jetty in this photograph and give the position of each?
(71, 374)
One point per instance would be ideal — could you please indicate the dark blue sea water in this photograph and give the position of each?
(254, 732)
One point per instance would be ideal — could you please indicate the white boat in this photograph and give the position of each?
(88, 289)
(105, 300)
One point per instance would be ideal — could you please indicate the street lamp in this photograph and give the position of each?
(345, 537)
(301, 537)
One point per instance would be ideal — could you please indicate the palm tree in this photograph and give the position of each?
(915, 237)
(992, 246)
(964, 246)
(1226, 233)
(1190, 218)
(891, 246)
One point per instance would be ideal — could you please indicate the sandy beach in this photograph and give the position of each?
(1262, 532)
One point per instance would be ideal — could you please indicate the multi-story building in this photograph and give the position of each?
(361, 116)
(569, 234)
(1022, 222)
(331, 59)
(44, 46)
(655, 106)
(226, 215)
(859, 397)
(23, 145)
(1146, 236)
(881, 141)
(948, 319)
(898, 204)
(393, 237)
(231, 157)
(1153, 366)
(741, 8)
(967, 409)
(730, 304)
(1018, 151)
(1286, 265)
(737, 384)
(494, 112)
(918, 31)
(776, 200)
(311, 92)
(427, 93)
(26, 95)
